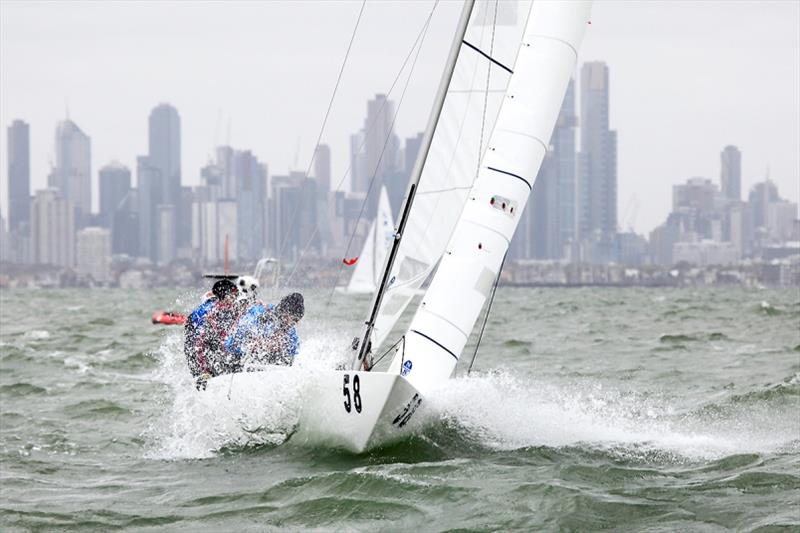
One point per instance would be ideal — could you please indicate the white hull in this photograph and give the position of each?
(351, 410)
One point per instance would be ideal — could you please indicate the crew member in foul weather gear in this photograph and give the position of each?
(206, 331)
(267, 334)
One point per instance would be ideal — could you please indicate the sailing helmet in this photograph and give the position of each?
(248, 287)
(292, 305)
(222, 288)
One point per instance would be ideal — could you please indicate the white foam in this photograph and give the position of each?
(508, 412)
(231, 413)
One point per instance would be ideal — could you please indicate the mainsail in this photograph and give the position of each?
(479, 241)
(485, 60)
(369, 266)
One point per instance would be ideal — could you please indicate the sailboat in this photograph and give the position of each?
(493, 115)
(369, 264)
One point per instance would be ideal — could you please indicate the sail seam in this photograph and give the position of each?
(512, 175)
(562, 41)
(444, 319)
(537, 139)
(487, 56)
(436, 343)
(484, 226)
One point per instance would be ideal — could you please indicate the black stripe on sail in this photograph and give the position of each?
(435, 342)
(512, 175)
(490, 58)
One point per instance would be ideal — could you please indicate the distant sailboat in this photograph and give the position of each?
(369, 266)
(487, 136)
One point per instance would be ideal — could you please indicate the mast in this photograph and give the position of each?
(425, 146)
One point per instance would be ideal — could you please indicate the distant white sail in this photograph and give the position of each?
(369, 266)
(468, 116)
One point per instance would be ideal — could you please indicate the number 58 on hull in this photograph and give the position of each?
(357, 410)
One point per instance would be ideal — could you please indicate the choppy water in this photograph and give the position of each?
(627, 409)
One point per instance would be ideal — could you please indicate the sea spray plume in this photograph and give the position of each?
(509, 411)
(197, 424)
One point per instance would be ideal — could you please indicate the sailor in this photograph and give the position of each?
(267, 334)
(207, 329)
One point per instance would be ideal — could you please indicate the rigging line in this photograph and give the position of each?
(486, 316)
(457, 143)
(486, 94)
(322, 129)
(361, 147)
(423, 33)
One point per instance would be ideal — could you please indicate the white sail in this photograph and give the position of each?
(473, 99)
(369, 266)
(517, 146)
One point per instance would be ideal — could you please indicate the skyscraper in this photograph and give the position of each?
(115, 182)
(164, 156)
(598, 157)
(731, 173)
(148, 183)
(19, 174)
(381, 144)
(322, 168)
(93, 246)
(53, 229)
(251, 192)
(72, 175)
(379, 155)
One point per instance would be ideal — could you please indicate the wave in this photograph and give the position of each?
(500, 410)
(681, 338)
(22, 389)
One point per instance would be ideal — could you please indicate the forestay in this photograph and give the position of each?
(480, 79)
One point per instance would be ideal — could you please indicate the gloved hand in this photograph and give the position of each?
(202, 381)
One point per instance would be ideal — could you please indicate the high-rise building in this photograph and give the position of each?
(125, 226)
(598, 156)
(166, 233)
(53, 229)
(731, 173)
(292, 217)
(93, 257)
(761, 195)
(225, 163)
(322, 168)
(696, 193)
(148, 183)
(72, 175)
(251, 194)
(115, 182)
(5, 249)
(381, 144)
(214, 223)
(379, 156)
(164, 156)
(19, 175)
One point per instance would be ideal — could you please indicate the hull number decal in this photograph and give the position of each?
(411, 407)
(355, 400)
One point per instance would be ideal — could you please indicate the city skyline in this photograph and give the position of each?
(759, 117)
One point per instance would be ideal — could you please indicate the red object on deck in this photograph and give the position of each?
(350, 262)
(168, 318)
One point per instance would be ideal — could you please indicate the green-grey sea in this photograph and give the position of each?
(587, 409)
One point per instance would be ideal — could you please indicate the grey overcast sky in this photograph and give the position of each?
(687, 78)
